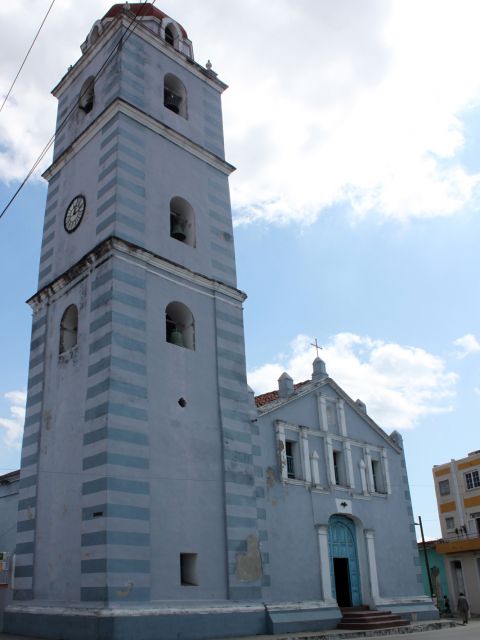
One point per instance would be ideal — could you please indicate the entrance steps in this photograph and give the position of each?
(362, 618)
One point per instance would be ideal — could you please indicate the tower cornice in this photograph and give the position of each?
(120, 106)
(150, 261)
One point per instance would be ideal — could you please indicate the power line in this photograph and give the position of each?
(27, 54)
(47, 147)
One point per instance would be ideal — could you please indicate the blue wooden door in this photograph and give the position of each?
(342, 544)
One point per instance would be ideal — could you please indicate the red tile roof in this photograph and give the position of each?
(140, 9)
(270, 396)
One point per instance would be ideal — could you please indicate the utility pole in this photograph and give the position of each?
(427, 564)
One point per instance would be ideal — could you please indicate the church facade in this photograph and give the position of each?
(157, 498)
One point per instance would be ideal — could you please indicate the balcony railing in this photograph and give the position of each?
(461, 535)
(290, 467)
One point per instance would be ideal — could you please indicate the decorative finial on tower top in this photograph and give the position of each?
(127, 6)
(210, 70)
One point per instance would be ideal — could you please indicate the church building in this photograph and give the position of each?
(157, 497)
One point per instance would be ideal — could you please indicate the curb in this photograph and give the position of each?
(413, 628)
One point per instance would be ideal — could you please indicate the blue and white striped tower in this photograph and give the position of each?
(141, 511)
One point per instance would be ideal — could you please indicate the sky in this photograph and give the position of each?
(354, 126)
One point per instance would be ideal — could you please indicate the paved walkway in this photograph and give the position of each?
(444, 629)
(471, 631)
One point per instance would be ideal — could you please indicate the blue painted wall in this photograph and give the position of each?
(436, 560)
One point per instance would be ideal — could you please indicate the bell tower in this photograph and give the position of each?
(139, 490)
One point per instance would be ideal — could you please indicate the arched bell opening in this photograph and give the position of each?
(180, 325)
(87, 95)
(175, 95)
(169, 36)
(182, 221)
(94, 34)
(68, 329)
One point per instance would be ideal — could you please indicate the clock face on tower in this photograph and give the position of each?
(74, 213)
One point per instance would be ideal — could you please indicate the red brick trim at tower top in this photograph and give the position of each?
(140, 9)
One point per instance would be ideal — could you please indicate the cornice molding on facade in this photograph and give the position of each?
(319, 433)
(117, 247)
(121, 106)
(152, 38)
(314, 386)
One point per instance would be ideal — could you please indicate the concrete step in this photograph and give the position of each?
(363, 615)
(369, 619)
(366, 619)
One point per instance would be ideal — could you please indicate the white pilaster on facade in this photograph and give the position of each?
(386, 472)
(363, 477)
(460, 513)
(280, 431)
(342, 424)
(368, 469)
(322, 412)
(349, 465)
(305, 452)
(314, 468)
(330, 467)
(372, 563)
(322, 534)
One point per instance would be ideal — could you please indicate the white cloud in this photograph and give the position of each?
(345, 102)
(13, 425)
(399, 384)
(467, 345)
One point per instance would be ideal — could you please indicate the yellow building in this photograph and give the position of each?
(457, 486)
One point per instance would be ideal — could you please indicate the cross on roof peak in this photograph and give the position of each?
(316, 345)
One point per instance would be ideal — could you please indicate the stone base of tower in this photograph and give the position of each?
(142, 623)
(169, 622)
(192, 621)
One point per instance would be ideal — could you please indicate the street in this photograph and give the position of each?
(471, 631)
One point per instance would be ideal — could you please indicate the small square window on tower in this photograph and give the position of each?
(188, 569)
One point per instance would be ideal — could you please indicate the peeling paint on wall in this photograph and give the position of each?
(270, 476)
(248, 566)
(123, 593)
(47, 419)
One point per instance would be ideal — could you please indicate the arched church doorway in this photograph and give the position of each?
(344, 569)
